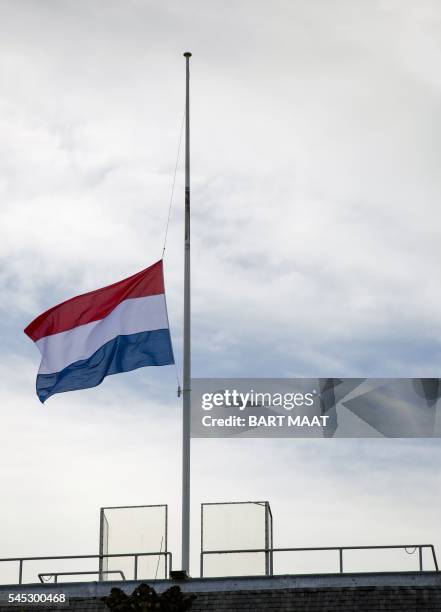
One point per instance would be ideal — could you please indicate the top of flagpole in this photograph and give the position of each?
(187, 54)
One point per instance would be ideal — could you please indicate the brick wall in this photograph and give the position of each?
(418, 592)
(351, 599)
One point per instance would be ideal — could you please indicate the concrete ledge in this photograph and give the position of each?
(241, 583)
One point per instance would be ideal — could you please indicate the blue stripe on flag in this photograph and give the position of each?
(122, 354)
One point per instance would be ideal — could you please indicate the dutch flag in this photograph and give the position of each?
(114, 329)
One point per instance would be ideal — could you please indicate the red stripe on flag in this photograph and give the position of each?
(96, 305)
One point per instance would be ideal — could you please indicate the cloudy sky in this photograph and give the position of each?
(315, 241)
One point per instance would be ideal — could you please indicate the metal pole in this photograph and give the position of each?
(267, 570)
(272, 543)
(202, 542)
(434, 557)
(187, 354)
(101, 546)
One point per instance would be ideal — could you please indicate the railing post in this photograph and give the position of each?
(135, 571)
(420, 554)
(101, 546)
(341, 559)
(20, 572)
(434, 558)
(267, 537)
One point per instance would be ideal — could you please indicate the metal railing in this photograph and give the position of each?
(22, 560)
(94, 572)
(339, 549)
(168, 558)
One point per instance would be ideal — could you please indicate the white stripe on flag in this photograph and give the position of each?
(130, 317)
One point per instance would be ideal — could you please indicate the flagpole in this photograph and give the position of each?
(187, 353)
